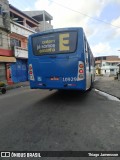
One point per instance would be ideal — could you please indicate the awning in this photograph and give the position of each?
(7, 59)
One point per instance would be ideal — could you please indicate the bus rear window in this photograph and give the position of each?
(53, 43)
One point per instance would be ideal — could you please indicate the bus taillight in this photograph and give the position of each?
(80, 70)
(81, 66)
(30, 67)
(31, 72)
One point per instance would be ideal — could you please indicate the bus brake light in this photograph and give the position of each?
(81, 71)
(30, 72)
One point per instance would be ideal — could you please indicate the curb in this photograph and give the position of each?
(107, 93)
(16, 86)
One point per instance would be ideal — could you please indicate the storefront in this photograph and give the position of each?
(19, 71)
(5, 70)
(2, 72)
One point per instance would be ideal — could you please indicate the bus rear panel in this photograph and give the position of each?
(57, 60)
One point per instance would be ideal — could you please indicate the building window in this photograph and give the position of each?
(15, 42)
(111, 70)
(104, 58)
(0, 39)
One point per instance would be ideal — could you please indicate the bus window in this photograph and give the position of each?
(86, 52)
(54, 43)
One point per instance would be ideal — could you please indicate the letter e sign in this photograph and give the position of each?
(64, 42)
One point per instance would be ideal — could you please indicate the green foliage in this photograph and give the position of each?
(2, 84)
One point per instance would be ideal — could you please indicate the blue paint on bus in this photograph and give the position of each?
(60, 59)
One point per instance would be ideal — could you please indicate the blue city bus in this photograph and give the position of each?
(60, 59)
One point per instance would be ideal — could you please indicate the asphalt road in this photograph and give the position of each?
(42, 120)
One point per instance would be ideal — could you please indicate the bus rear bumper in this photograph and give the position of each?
(68, 86)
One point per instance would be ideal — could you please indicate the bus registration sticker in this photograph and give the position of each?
(54, 78)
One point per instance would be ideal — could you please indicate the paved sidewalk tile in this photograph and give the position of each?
(17, 85)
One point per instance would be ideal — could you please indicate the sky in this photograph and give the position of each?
(100, 20)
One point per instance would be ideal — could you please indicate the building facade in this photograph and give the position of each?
(107, 65)
(15, 28)
(6, 54)
(43, 18)
(21, 27)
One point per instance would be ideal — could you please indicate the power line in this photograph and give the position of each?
(79, 13)
(85, 14)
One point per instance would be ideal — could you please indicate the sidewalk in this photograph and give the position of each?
(17, 85)
(108, 85)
